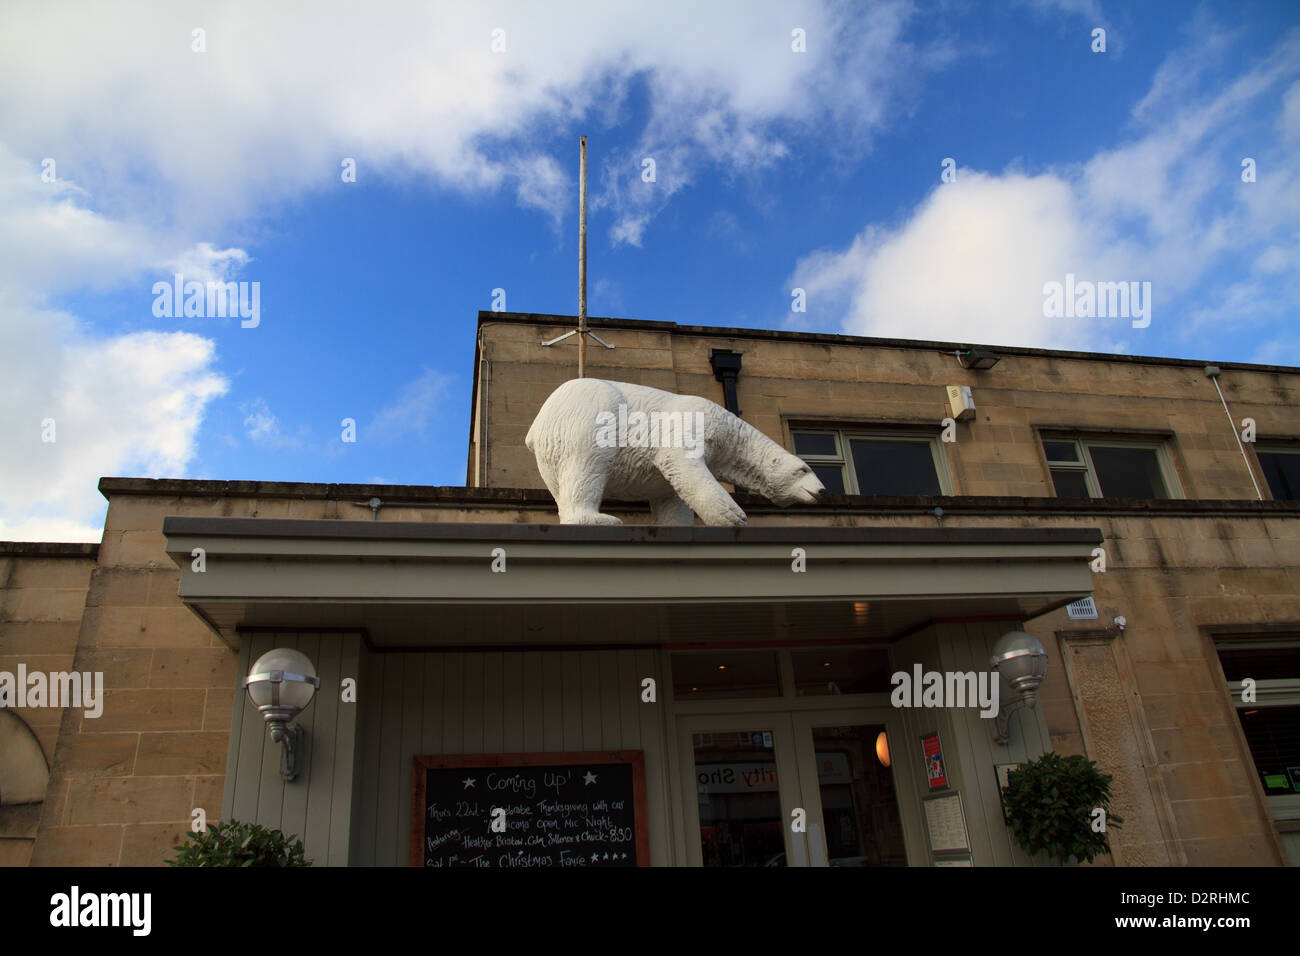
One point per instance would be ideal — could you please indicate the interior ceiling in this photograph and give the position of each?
(426, 625)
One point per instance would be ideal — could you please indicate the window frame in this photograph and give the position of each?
(1084, 443)
(1273, 446)
(845, 435)
(1284, 692)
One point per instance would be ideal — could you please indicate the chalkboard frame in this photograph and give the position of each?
(475, 761)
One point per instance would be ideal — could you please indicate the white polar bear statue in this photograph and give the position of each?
(594, 438)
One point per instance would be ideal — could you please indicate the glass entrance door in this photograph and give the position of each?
(741, 787)
(747, 774)
(853, 811)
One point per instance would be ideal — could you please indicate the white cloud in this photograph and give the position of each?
(1284, 350)
(1088, 9)
(284, 92)
(1288, 121)
(732, 99)
(970, 263)
(606, 296)
(202, 263)
(122, 404)
(263, 427)
(129, 404)
(52, 529)
(417, 405)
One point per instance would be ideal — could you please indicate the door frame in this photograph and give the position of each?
(806, 754)
(796, 761)
(787, 783)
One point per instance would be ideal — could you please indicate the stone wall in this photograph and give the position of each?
(786, 378)
(42, 593)
(123, 785)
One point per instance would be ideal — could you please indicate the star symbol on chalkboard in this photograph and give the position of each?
(595, 858)
(468, 782)
(590, 778)
(606, 856)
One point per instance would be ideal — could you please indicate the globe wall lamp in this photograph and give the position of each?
(281, 683)
(1022, 662)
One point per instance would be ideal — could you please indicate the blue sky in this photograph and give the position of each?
(775, 169)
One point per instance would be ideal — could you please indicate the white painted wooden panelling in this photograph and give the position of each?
(461, 702)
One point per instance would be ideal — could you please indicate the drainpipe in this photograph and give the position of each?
(726, 369)
(480, 414)
(1212, 373)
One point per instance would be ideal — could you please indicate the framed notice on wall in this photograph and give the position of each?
(945, 822)
(580, 809)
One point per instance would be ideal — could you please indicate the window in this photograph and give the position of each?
(812, 672)
(1271, 719)
(841, 670)
(1082, 468)
(706, 675)
(1281, 467)
(865, 463)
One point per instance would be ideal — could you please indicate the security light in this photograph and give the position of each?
(281, 683)
(977, 358)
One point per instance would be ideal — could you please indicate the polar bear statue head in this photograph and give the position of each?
(787, 480)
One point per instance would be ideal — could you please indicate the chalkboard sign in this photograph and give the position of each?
(560, 809)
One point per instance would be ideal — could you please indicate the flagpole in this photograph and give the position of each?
(582, 262)
(581, 331)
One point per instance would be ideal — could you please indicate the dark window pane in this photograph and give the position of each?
(813, 443)
(1282, 470)
(1061, 451)
(841, 670)
(1260, 663)
(1273, 734)
(832, 476)
(1128, 472)
(894, 467)
(740, 806)
(1070, 484)
(716, 674)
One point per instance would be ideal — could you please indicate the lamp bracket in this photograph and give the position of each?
(291, 749)
(1002, 722)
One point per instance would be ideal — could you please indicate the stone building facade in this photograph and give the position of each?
(995, 519)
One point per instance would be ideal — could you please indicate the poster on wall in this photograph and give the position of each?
(583, 809)
(934, 769)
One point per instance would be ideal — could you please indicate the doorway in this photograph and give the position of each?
(776, 772)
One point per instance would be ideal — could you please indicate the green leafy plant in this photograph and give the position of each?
(1050, 805)
(239, 844)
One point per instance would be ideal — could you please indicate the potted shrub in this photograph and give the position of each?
(1050, 805)
(239, 844)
